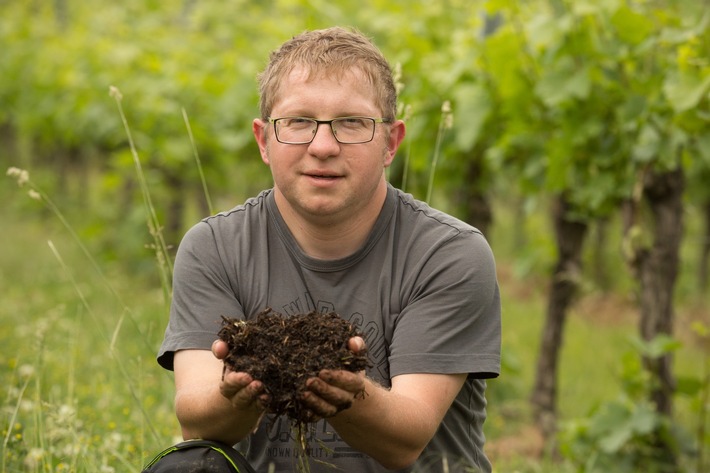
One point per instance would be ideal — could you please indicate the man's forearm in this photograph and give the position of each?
(211, 404)
(204, 413)
(388, 426)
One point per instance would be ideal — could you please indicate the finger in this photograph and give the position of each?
(357, 345)
(243, 391)
(233, 382)
(220, 349)
(327, 399)
(319, 408)
(345, 380)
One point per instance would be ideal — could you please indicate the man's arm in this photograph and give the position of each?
(392, 426)
(208, 408)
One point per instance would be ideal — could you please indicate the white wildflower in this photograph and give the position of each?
(447, 116)
(70, 450)
(24, 178)
(449, 121)
(65, 414)
(115, 93)
(33, 458)
(27, 406)
(34, 194)
(26, 371)
(114, 439)
(446, 107)
(407, 112)
(12, 171)
(21, 175)
(13, 392)
(397, 78)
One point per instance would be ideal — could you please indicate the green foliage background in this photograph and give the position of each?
(547, 97)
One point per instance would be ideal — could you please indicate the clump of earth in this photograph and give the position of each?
(284, 351)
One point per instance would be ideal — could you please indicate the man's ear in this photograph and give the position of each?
(396, 135)
(259, 128)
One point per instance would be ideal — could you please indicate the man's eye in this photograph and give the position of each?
(352, 122)
(298, 122)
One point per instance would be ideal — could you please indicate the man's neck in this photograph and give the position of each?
(331, 237)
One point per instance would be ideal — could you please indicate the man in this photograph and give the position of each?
(333, 235)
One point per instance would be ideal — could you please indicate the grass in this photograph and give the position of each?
(82, 391)
(596, 338)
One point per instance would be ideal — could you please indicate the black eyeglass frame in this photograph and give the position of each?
(375, 121)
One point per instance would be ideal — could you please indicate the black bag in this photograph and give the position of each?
(199, 456)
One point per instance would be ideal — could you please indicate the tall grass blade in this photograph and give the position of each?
(13, 419)
(38, 194)
(160, 247)
(109, 341)
(198, 162)
(405, 170)
(444, 124)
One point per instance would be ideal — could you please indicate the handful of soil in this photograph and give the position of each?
(284, 351)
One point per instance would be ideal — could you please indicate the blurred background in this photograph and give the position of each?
(574, 133)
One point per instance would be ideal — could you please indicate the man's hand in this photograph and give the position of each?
(333, 391)
(211, 403)
(327, 394)
(242, 391)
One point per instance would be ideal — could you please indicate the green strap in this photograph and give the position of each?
(229, 459)
(160, 455)
(187, 444)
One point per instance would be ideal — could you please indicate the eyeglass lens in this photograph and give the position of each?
(345, 130)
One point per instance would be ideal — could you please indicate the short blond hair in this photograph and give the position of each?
(333, 50)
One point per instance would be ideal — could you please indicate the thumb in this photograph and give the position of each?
(220, 349)
(356, 344)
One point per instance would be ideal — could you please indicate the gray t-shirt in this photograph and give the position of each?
(422, 289)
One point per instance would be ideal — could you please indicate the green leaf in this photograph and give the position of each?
(493, 6)
(643, 420)
(610, 417)
(662, 345)
(610, 425)
(562, 82)
(631, 111)
(689, 386)
(698, 327)
(682, 35)
(616, 439)
(593, 7)
(631, 26)
(685, 90)
(473, 106)
(545, 30)
(503, 63)
(559, 163)
(648, 145)
(659, 346)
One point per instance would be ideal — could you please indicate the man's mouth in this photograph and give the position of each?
(322, 176)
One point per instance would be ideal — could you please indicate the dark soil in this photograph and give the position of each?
(284, 351)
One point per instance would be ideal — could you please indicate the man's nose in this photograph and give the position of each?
(326, 128)
(324, 140)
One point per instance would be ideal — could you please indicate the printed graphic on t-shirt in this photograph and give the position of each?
(321, 440)
(374, 339)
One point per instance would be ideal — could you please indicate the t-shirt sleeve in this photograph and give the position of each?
(451, 322)
(202, 294)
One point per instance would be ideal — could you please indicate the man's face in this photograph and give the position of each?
(327, 180)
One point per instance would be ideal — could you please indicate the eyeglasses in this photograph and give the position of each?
(346, 130)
